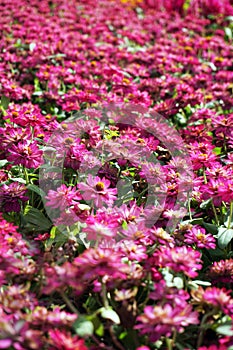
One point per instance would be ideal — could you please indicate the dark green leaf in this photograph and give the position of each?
(210, 228)
(36, 189)
(34, 219)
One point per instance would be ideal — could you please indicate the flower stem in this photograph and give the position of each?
(215, 213)
(202, 327)
(26, 175)
(104, 295)
(169, 343)
(69, 303)
(230, 216)
(189, 208)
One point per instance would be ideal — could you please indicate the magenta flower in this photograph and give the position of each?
(220, 298)
(63, 197)
(98, 190)
(62, 340)
(198, 236)
(212, 190)
(101, 262)
(213, 347)
(176, 259)
(133, 251)
(25, 153)
(222, 271)
(11, 197)
(103, 225)
(26, 114)
(162, 320)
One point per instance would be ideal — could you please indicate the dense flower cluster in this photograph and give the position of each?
(116, 193)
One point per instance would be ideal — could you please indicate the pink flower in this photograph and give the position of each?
(11, 197)
(103, 225)
(179, 259)
(153, 173)
(101, 262)
(198, 236)
(62, 340)
(133, 251)
(98, 190)
(26, 114)
(222, 271)
(25, 153)
(63, 197)
(161, 320)
(212, 190)
(213, 347)
(219, 298)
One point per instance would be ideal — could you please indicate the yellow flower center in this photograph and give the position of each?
(99, 186)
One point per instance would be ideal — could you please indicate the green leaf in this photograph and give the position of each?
(180, 118)
(19, 179)
(179, 346)
(32, 46)
(36, 189)
(98, 325)
(202, 283)
(128, 341)
(211, 228)
(124, 225)
(226, 220)
(110, 314)
(216, 253)
(206, 203)
(34, 219)
(228, 33)
(100, 330)
(5, 102)
(225, 329)
(196, 221)
(193, 222)
(3, 162)
(178, 282)
(122, 335)
(83, 327)
(53, 232)
(217, 150)
(224, 236)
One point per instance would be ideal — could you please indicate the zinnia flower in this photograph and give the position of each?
(11, 196)
(25, 153)
(98, 190)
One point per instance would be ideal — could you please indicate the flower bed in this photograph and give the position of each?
(116, 167)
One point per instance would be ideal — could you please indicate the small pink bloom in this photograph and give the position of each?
(98, 190)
